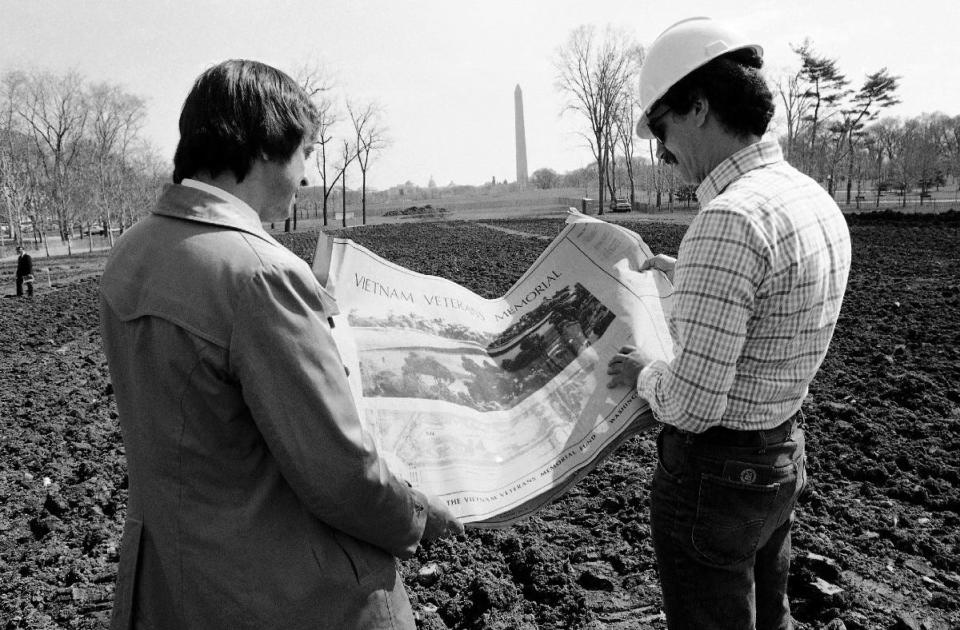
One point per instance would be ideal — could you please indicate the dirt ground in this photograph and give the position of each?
(877, 542)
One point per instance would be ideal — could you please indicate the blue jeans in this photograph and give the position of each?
(721, 510)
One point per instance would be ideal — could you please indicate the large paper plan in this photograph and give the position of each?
(498, 405)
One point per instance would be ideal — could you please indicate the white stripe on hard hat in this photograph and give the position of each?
(678, 51)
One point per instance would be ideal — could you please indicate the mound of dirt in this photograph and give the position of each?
(426, 211)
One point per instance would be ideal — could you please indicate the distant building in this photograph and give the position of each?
(521, 138)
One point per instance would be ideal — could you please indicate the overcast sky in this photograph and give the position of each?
(444, 71)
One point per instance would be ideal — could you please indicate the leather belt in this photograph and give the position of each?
(753, 437)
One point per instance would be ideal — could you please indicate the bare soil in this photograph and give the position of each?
(877, 540)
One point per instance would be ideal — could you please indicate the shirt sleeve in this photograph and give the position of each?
(293, 380)
(720, 266)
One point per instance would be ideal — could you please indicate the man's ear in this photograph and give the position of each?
(701, 107)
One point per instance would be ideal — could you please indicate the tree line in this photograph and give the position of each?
(834, 130)
(72, 158)
(74, 162)
(830, 128)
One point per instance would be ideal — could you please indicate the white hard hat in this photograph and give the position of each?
(677, 52)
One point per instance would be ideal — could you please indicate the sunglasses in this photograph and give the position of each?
(653, 123)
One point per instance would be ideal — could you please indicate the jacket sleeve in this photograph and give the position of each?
(293, 380)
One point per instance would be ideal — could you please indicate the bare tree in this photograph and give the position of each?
(318, 84)
(325, 152)
(610, 159)
(594, 76)
(835, 148)
(626, 124)
(951, 146)
(943, 130)
(83, 194)
(144, 175)
(876, 152)
(348, 154)
(890, 136)
(369, 138)
(921, 151)
(16, 178)
(656, 175)
(56, 113)
(861, 159)
(796, 104)
(115, 121)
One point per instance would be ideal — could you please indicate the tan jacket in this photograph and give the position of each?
(256, 500)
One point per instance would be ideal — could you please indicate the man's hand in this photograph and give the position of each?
(625, 366)
(440, 521)
(661, 262)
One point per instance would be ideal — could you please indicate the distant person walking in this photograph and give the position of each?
(758, 283)
(24, 272)
(257, 499)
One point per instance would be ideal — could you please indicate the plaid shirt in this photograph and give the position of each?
(759, 279)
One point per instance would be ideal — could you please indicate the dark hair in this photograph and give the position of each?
(239, 111)
(734, 87)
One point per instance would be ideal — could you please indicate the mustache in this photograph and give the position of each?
(667, 157)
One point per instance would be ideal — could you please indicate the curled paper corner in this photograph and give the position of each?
(575, 216)
(329, 302)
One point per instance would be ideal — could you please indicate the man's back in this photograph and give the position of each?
(24, 265)
(807, 250)
(763, 267)
(209, 401)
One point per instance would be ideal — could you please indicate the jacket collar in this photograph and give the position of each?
(759, 154)
(193, 204)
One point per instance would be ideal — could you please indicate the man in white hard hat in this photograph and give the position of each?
(759, 279)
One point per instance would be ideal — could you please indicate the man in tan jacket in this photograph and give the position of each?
(256, 498)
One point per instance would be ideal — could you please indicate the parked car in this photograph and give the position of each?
(619, 205)
(97, 230)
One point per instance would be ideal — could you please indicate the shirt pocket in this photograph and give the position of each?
(123, 597)
(731, 514)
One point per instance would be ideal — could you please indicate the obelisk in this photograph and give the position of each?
(521, 138)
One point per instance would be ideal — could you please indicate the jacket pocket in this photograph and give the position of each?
(369, 563)
(125, 592)
(730, 518)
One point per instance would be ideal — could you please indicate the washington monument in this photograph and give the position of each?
(521, 139)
